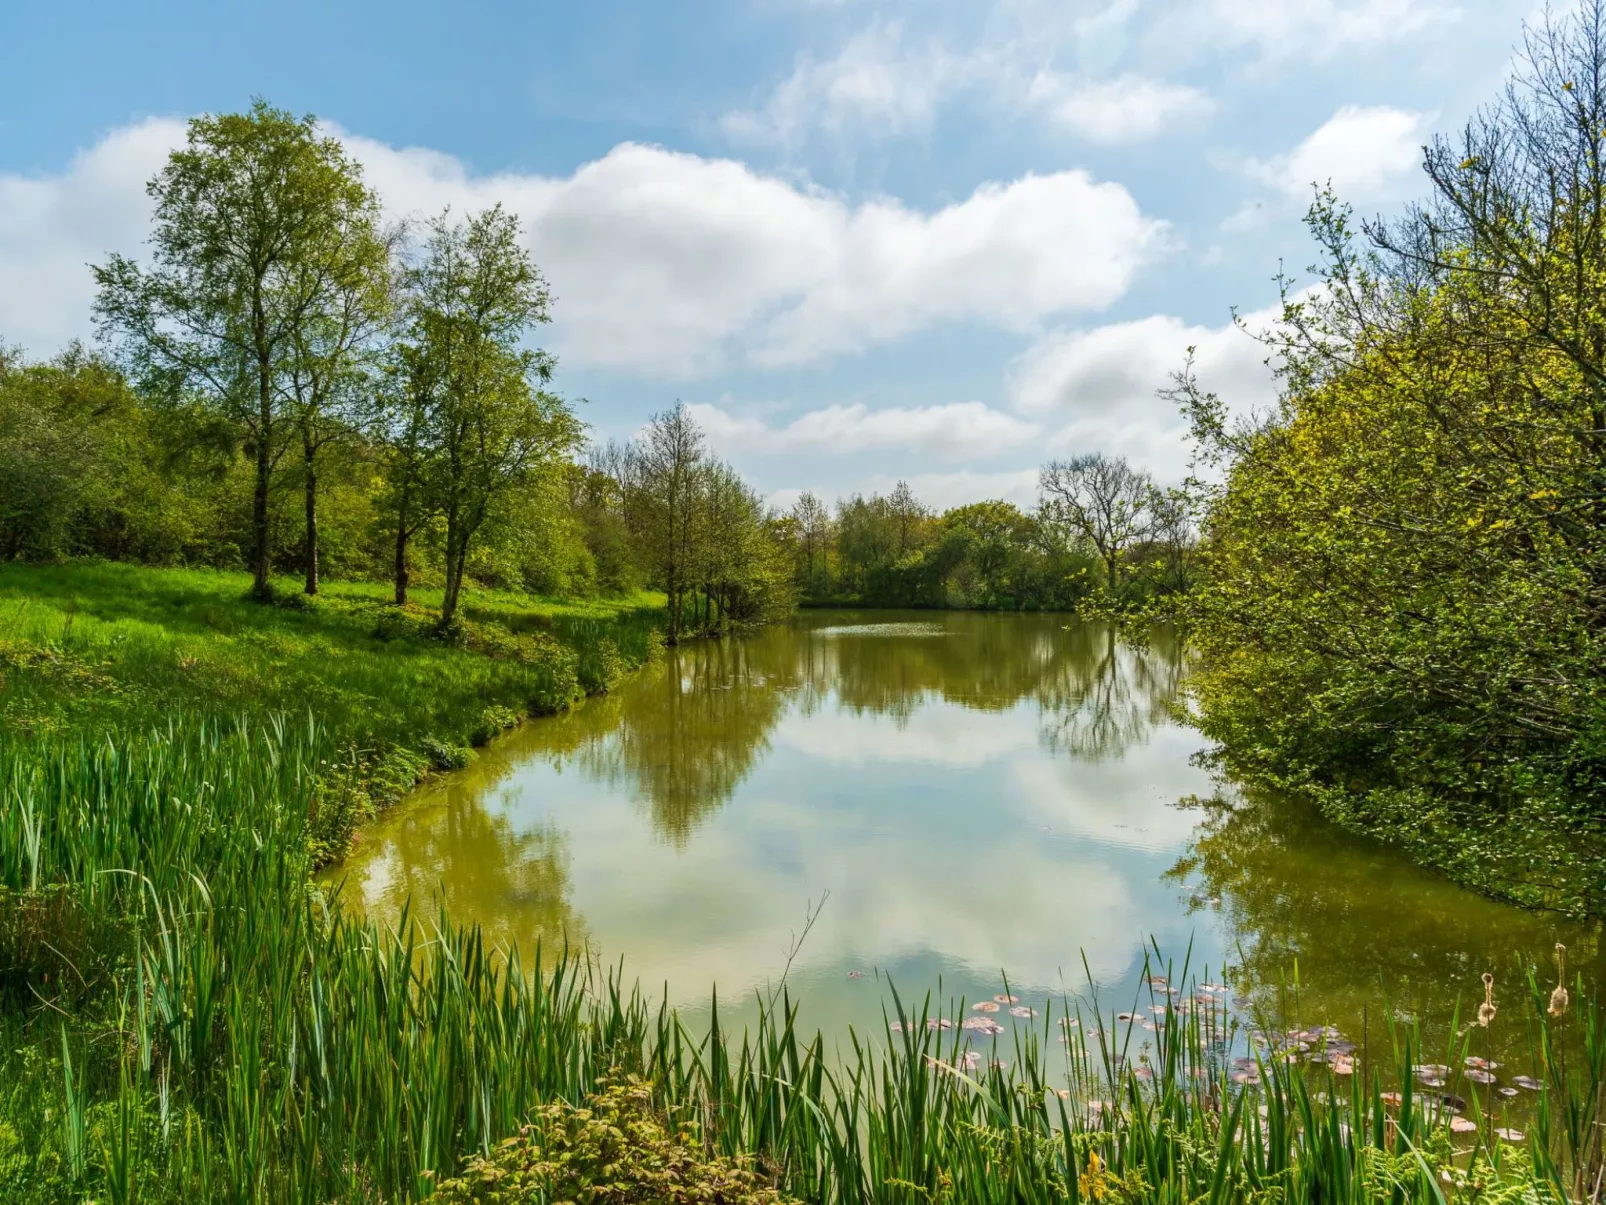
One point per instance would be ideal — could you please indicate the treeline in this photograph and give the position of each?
(1403, 609)
(1100, 528)
(291, 386)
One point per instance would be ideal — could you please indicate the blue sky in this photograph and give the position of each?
(866, 239)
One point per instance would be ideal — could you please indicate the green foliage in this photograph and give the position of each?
(893, 552)
(1404, 614)
(613, 1150)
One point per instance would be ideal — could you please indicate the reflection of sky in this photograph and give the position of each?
(953, 844)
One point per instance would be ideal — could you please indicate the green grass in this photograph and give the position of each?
(184, 1017)
(98, 647)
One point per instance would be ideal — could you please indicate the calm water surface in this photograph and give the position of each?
(956, 798)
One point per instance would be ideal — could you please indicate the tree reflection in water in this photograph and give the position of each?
(686, 735)
(1358, 925)
(519, 891)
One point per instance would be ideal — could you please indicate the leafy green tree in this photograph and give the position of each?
(1404, 593)
(484, 425)
(263, 229)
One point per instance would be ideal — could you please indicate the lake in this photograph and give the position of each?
(941, 802)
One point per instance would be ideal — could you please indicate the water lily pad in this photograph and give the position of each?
(1343, 1064)
(1022, 1010)
(1479, 1076)
(984, 1006)
(1528, 1082)
(855, 974)
(1463, 1125)
(1245, 1078)
(1509, 1135)
(1006, 999)
(1477, 1064)
(1506, 1092)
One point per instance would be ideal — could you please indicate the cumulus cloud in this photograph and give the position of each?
(52, 227)
(969, 429)
(663, 263)
(1099, 388)
(1363, 150)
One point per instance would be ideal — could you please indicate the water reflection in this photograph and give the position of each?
(1359, 926)
(979, 795)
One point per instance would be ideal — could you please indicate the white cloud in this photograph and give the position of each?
(1365, 151)
(969, 429)
(875, 83)
(670, 264)
(53, 227)
(1125, 109)
(664, 264)
(1316, 29)
(879, 85)
(1100, 387)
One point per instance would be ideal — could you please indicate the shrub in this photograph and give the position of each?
(613, 1151)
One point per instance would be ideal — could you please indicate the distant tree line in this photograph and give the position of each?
(291, 386)
(1100, 527)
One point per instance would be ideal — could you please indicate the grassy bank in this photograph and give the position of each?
(95, 648)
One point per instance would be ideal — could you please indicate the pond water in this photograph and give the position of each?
(955, 799)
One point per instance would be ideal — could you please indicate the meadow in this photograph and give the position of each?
(184, 1015)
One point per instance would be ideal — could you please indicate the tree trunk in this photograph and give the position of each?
(401, 551)
(310, 453)
(262, 581)
(456, 558)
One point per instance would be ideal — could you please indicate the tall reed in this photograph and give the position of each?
(186, 1017)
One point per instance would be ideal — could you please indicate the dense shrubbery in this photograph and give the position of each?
(1405, 602)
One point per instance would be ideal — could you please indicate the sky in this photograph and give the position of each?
(864, 240)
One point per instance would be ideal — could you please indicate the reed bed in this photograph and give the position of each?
(184, 1016)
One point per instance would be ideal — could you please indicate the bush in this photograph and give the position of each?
(445, 756)
(613, 1151)
(494, 720)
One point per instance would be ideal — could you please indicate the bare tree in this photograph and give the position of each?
(1101, 499)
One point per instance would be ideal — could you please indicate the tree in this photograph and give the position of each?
(351, 287)
(907, 512)
(1403, 604)
(484, 423)
(664, 469)
(1101, 499)
(814, 536)
(256, 219)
